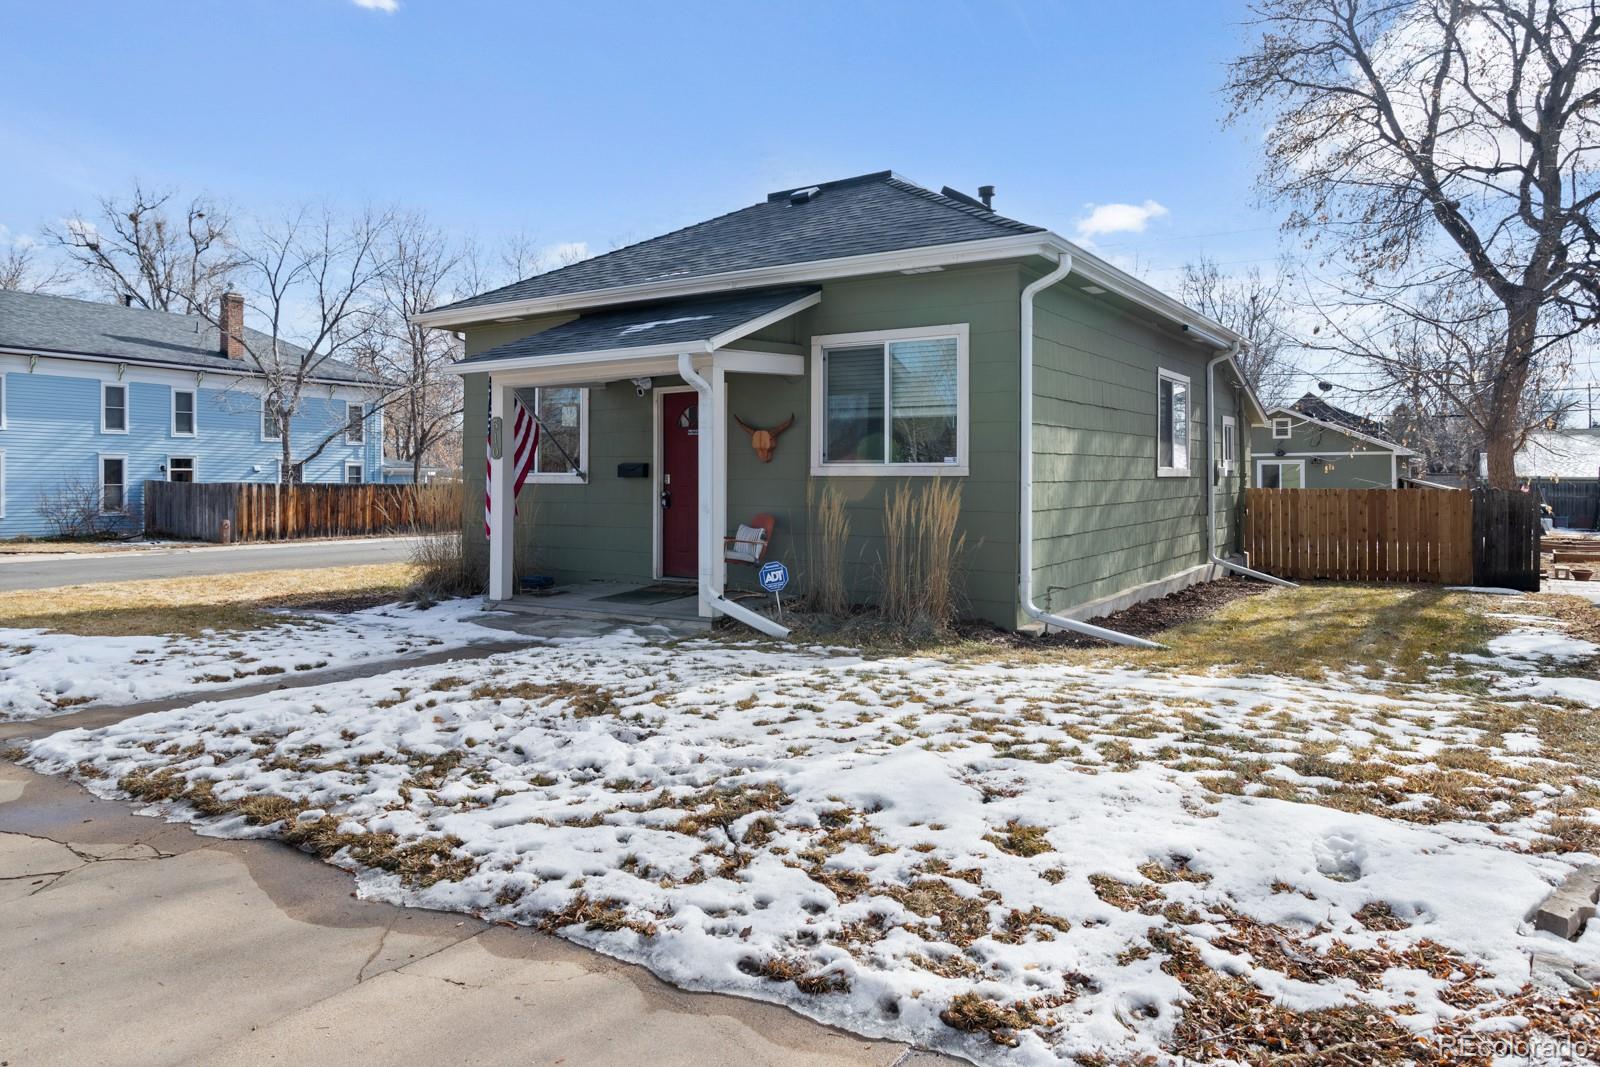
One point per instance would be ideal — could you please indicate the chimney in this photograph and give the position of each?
(230, 324)
(986, 194)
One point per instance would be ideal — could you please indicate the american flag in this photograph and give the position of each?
(525, 444)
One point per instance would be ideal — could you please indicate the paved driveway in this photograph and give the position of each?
(130, 941)
(45, 572)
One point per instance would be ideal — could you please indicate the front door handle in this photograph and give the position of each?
(666, 499)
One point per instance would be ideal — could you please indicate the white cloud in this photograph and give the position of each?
(388, 7)
(1118, 218)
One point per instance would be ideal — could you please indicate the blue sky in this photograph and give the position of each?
(601, 123)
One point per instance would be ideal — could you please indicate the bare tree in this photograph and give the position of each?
(138, 251)
(1433, 364)
(1253, 307)
(1442, 145)
(423, 269)
(21, 272)
(309, 278)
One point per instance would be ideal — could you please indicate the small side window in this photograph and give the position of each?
(1172, 424)
(113, 408)
(1282, 428)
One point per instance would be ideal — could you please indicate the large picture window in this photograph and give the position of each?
(1172, 424)
(890, 403)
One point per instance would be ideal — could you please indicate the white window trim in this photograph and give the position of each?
(261, 424)
(194, 413)
(5, 399)
(127, 415)
(1176, 471)
(819, 346)
(356, 463)
(1277, 462)
(2, 483)
(100, 479)
(194, 466)
(567, 477)
(357, 405)
(1287, 425)
(1230, 449)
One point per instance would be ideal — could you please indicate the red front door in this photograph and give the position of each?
(680, 484)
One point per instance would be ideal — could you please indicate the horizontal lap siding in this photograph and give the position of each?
(1370, 468)
(52, 437)
(1104, 522)
(604, 529)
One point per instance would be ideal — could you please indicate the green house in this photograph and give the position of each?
(845, 338)
(1311, 444)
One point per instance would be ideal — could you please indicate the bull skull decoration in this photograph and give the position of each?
(764, 441)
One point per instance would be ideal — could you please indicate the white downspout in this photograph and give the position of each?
(1211, 475)
(1025, 543)
(708, 591)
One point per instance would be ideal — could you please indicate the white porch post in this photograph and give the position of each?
(719, 481)
(503, 509)
(712, 453)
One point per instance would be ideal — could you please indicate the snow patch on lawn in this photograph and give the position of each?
(886, 845)
(44, 673)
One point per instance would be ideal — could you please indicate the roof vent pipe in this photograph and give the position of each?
(986, 194)
(804, 196)
(1025, 543)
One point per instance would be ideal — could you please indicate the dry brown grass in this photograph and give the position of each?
(830, 532)
(24, 546)
(443, 567)
(921, 555)
(190, 605)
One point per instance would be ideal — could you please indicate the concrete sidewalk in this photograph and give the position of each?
(131, 941)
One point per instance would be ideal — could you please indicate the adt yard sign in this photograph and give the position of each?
(774, 577)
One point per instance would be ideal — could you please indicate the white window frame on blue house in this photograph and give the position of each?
(359, 425)
(194, 412)
(194, 467)
(106, 387)
(262, 424)
(100, 477)
(4, 394)
(958, 465)
(2, 483)
(353, 464)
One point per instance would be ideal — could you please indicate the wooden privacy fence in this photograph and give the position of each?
(269, 512)
(1483, 537)
(1576, 503)
(1361, 535)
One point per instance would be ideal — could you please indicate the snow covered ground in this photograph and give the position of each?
(44, 673)
(1016, 862)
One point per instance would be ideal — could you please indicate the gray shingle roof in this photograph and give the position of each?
(646, 325)
(40, 323)
(1318, 408)
(879, 212)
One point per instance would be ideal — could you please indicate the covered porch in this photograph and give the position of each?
(697, 341)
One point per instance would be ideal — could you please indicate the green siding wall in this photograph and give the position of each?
(604, 529)
(1104, 523)
(1369, 468)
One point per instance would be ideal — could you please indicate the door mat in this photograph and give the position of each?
(650, 594)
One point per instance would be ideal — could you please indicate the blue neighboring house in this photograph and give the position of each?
(101, 398)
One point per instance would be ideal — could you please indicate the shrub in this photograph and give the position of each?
(73, 510)
(830, 532)
(443, 567)
(921, 553)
